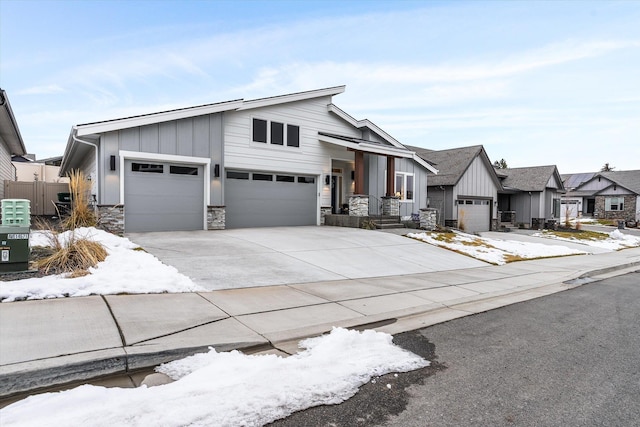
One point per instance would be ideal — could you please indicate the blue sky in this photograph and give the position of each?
(536, 83)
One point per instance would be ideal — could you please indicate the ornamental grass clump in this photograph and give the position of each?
(74, 256)
(81, 215)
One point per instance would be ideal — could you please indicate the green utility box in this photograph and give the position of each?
(16, 212)
(14, 248)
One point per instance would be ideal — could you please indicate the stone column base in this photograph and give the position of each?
(428, 219)
(359, 205)
(391, 205)
(111, 218)
(216, 217)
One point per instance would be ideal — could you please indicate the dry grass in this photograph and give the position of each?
(81, 214)
(75, 256)
(582, 235)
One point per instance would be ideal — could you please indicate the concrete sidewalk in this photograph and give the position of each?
(50, 342)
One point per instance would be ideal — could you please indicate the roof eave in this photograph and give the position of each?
(292, 97)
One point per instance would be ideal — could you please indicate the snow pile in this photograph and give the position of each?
(125, 270)
(494, 251)
(228, 389)
(615, 241)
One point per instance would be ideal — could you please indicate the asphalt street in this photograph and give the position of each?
(568, 359)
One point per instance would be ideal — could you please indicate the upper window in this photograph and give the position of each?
(404, 186)
(614, 204)
(274, 133)
(277, 133)
(259, 130)
(293, 136)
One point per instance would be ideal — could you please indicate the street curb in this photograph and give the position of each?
(32, 376)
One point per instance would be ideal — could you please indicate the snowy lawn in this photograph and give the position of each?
(228, 389)
(125, 270)
(615, 240)
(494, 251)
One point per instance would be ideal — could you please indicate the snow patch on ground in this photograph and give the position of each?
(228, 389)
(615, 241)
(494, 251)
(125, 270)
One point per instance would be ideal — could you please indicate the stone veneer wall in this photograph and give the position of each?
(359, 205)
(111, 218)
(428, 218)
(628, 214)
(390, 205)
(216, 217)
(324, 211)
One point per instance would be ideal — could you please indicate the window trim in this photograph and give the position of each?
(403, 197)
(619, 204)
(287, 129)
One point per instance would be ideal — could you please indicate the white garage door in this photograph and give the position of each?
(266, 199)
(163, 196)
(474, 215)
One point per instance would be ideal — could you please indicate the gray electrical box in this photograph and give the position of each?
(14, 248)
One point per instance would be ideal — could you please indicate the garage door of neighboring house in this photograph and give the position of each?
(474, 215)
(162, 196)
(264, 199)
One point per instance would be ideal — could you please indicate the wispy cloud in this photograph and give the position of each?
(41, 90)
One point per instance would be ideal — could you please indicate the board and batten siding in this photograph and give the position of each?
(477, 181)
(376, 172)
(6, 169)
(199, 136)
(312, 157)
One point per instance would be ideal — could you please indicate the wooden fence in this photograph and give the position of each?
(42, 195)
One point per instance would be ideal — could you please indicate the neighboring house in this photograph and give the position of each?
(607, 195)
(10, 141)
(30, 169)
(465, 190)
(530, 195)
(278, 161)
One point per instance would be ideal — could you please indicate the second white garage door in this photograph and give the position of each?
(474, 215)
(163, 196)
(265, 199)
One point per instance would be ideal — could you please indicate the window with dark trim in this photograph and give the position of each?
(262, 177)
(147, 167)
(259, 130)
(237, 175)
(285, 178)
(293, 136)
(277, 133)
(306, 180)
(183, 170)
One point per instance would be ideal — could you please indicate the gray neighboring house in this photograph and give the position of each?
(530, 196)
(607, 195)
(466, 188)
(11, 143)
(279, 161)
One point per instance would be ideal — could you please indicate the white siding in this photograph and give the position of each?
(312, 157)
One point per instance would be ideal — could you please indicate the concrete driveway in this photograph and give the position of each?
(227, 259)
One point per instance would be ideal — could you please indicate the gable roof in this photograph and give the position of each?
(375, 147)
(530, 178)
(453, 163)
(199, 110)
(627, 179)
(9, 131)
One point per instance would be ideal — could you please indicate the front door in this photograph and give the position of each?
(591, 206)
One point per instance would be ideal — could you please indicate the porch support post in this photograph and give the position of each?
(359, 173)
(391, 175)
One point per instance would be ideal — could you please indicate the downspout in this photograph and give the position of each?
(530, 210)
(95, 146)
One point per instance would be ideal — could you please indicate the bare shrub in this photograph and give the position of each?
(81, 215)
(75, 256)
